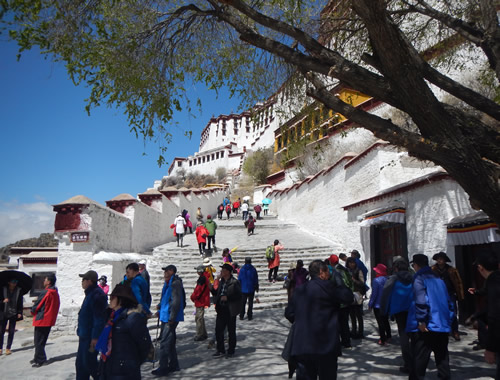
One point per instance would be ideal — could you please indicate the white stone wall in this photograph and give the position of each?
(318, 206)
(115, 240)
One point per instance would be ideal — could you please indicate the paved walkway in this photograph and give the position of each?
(260, 342)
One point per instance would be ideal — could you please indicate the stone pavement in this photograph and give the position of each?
(260, 342)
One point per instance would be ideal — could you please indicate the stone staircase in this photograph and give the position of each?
(298, 245)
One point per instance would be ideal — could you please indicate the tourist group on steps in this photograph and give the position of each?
(325, 309)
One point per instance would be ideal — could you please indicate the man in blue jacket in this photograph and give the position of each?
(91, 320)
(429, 320)
(139, 286)
(396, 299)
(249, 281)
(171, 312)
(314, 309)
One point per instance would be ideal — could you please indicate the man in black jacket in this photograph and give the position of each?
(487, 265)
(91, 320)
(314, 309)
(227, 299)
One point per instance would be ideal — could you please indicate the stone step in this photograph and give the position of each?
(231, 233)
(270, 295)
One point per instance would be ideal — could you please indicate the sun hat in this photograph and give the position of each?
(124, 291)
(333, 259)
(441, 255)
(228, 267)
(380, 269)
(200, 268)
(207, 262)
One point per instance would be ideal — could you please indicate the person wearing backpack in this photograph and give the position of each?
(220, 211)
(250, 223)
(211, 226)
(273, 260)
(124, 342)
(341, 276)
(228, 210)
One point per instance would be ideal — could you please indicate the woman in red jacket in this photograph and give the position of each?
(274, 264)
(201, 237)
(201, 299)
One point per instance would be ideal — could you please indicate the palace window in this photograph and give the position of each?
(316, 134)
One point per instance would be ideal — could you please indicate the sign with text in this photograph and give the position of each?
(79, 237)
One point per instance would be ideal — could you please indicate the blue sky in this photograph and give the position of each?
(51, 150)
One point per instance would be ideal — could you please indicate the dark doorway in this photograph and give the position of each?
(465, 255)
(389, 240)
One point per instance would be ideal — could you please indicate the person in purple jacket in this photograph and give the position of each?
(300, 274)
(384, 328)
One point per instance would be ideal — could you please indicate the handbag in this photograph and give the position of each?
(358, 298)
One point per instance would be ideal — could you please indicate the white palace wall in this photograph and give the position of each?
(375, 179)
(116, 239)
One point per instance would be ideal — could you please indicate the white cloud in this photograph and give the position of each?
(24, 220)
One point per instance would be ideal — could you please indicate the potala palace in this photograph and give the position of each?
(368, 195)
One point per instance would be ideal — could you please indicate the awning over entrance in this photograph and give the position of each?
(471, 229)
(393, 214)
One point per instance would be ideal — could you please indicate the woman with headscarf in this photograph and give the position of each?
(124, 343)
(11, 311)
(384, 328)
(103, 284)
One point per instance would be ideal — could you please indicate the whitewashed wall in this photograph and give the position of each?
(115, 240)
(317, 206)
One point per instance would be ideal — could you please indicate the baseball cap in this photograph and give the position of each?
(90, 275)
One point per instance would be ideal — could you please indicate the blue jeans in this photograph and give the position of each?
(168, 352)
(86, 361)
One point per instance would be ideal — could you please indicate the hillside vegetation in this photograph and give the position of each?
(44, 240)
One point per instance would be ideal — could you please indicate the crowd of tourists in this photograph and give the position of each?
(421, 299)
(325, 309)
